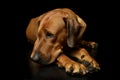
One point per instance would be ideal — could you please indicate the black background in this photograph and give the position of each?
(100, 17)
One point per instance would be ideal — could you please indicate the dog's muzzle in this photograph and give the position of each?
(36, 57)
(39, 58)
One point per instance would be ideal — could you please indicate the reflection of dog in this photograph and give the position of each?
(57, 34)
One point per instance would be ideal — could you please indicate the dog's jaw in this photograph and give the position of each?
(55, 55)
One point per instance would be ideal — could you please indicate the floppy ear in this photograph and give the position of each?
(75, 28)
(82, 28)
(32, 28)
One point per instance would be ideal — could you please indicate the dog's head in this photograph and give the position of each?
(55, 30)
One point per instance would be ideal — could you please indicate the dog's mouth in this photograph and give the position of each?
(45, 60)
(40, 59)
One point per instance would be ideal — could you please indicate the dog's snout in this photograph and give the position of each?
(35, 57)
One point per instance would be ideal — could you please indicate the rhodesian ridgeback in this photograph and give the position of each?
(57, 35)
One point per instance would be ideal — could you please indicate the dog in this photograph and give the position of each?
(57, 37)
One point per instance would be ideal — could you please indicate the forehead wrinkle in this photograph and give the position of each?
(54, 25)
(56, 14)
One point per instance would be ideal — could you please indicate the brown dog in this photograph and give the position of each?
(57, 34)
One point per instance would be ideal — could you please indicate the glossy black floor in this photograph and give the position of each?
(101, 28)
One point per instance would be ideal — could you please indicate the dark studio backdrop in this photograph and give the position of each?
(96, 14)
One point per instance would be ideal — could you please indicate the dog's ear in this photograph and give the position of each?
(32, 28)
(82, 27)
(75, 28)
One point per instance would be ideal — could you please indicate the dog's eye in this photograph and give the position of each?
(49, 35)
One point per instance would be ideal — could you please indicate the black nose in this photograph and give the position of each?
(35, 57)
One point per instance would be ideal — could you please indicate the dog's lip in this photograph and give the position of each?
(43, 60)
(37, 57)
(50, 58)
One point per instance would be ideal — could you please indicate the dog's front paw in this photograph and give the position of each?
(92, 66)
(74, 67)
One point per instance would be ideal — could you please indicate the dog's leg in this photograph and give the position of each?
(90, 44)
(70, 65)
(83, 56)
